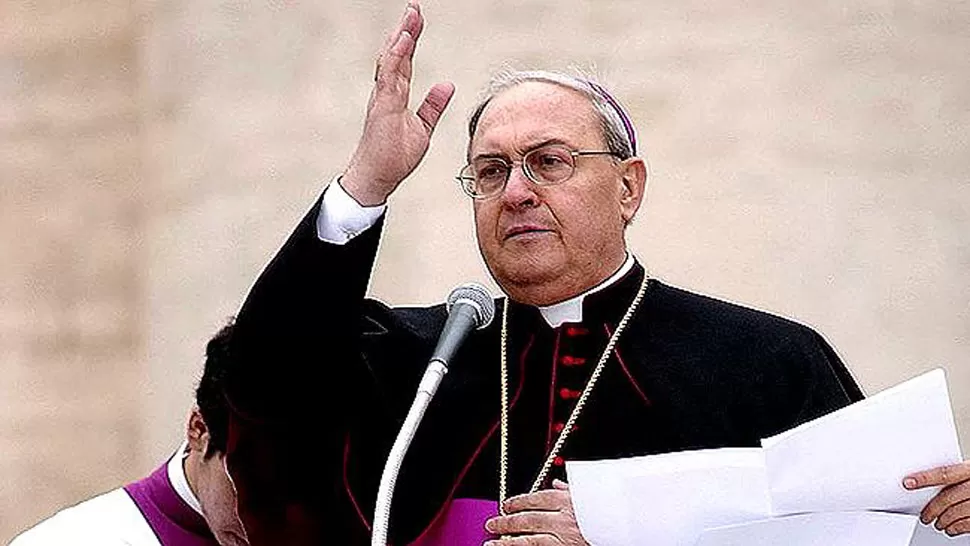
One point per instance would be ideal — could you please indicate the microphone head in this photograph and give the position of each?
(477, 296)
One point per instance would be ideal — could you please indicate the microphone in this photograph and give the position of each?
(470, 306)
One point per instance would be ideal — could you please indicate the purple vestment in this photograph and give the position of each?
(174, 522)
(461, 524)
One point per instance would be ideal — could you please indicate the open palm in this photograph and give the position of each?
(394, 139)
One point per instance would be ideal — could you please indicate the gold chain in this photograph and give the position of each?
(573, 417)
(503, 467)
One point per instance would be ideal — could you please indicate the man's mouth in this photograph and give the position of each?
(525, 230)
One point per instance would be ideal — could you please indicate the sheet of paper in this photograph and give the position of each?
(831, 529)
(667, 500)
(855, 458)
(928, 536)
(850, 461)
(828, 528)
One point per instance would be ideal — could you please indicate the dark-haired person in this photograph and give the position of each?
(322, 376)
(188, 501)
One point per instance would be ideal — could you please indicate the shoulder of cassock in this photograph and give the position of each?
(111, 519)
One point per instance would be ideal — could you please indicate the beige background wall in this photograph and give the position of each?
(812, 159)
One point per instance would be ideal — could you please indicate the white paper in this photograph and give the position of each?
(856, 458)
(831, 529)
(655, 499)
(928, 536)
(851, 460)
(822, 529)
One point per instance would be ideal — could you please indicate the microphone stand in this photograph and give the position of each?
(426, 389)
(469, 307)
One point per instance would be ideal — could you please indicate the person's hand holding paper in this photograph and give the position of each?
(855, 458)
(951, 507)
(846, 467)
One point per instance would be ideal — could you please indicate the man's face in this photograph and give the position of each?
(210, 481)
(217, 496)
(545, 244)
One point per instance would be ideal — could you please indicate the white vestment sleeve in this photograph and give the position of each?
(341, 218)
(111, 519)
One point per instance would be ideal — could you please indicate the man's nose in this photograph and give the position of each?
(519, 190)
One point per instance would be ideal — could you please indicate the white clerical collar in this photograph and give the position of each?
(571, 310)
(176, 475)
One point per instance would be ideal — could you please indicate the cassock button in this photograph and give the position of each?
(557, 427)
(558, 461)
(573, 331)
(567, 394)
(573, 360)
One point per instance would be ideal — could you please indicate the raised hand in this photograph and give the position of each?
(395, 139)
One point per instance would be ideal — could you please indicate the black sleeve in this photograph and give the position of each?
(809, 381)
(296, 387)
(839, 369)
(296, 336)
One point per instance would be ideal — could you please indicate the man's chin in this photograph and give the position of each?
(518, 275)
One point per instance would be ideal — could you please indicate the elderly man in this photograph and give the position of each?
(188, 501)
(588, 358)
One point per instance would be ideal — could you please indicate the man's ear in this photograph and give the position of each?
(634, 187)
(196, 432)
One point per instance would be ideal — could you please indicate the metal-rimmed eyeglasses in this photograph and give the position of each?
(547, 165)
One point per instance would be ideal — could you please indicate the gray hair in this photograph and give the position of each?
(617, 131)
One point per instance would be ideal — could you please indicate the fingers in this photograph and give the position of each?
(944, 475)
(545, 517)
(961, 527)
(524, 523)
(416, 30)
(395, 61)
(547, 500)
(559, 484)
(399, 58)
(530, 540)
(949, 498)
(399, 45)
(434, 104)
(958, 513)
(403, 50)
(407, 23)
(391, 37)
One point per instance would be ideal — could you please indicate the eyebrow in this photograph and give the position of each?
(535, 146)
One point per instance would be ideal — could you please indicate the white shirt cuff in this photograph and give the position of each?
(341, 218)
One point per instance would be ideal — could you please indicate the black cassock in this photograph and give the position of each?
(322, 378)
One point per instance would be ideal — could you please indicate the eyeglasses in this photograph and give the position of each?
(545, 166)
